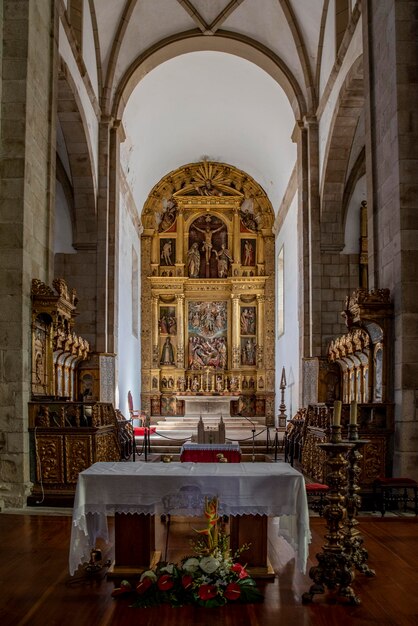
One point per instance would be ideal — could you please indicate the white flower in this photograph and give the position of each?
(149, 574)
(191, 565)
(168, 568)
(209, 564)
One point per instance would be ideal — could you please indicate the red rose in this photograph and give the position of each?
(186, 581)
(207, 592)
(165, 582)
(232, 591)
(143, 585)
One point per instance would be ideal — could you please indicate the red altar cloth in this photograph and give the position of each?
(139, 431)
(207, 453)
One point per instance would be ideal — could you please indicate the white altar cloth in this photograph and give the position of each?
(273, 489)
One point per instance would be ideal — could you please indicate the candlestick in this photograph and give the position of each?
(353, 412)
(334, 569)
(336, 418)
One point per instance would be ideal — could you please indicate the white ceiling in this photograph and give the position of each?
(208, 104)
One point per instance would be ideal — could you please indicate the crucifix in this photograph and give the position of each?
(207, 244)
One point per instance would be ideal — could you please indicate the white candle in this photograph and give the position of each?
(353, 413)
(336, 421)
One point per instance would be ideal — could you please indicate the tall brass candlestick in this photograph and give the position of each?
(353, 541)
(334, 569)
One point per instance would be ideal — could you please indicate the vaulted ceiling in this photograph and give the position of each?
(190, 78)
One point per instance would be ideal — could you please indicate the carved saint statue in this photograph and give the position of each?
(223, 257)
(248, 253)
(167, 353)
(193, 260)
(166, 253)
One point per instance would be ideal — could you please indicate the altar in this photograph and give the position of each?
(136, 492)
(215, 405)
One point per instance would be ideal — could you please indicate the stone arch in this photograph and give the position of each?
(343, 127)
(80, 156)
(223, 41)
(79, 269)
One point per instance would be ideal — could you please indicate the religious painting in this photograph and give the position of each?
(167, 323)
(248, 252)
(248, 320)
(248, 351)
(208, 255)
(167, 251)
(168, 405)
(207, 328)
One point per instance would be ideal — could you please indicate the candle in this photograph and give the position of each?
(337, 413)
(353, 413)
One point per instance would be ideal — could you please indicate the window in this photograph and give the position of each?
(280, 293)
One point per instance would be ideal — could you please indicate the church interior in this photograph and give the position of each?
(207, 252)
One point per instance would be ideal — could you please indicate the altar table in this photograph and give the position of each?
(136, 492)
(207, 452)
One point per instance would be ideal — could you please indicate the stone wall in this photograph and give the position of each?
(392, 151)
(25, 253)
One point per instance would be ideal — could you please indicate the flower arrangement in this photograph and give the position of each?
(210, 577)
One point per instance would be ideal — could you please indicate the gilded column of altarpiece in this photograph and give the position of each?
(208, 291)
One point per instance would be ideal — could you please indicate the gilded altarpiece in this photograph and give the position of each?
(208, 292)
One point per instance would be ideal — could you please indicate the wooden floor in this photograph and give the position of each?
(36, 589)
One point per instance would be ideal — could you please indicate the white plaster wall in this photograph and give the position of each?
(287, 346)
(328, 50)
(90, 116)
(352, 222)
(63, 231)
(246, 121)
(128, 346)
(89, 51)
(353, 52)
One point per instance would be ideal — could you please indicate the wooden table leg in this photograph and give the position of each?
(251, 530)
(134, 545)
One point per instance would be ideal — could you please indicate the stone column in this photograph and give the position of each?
(27, 180)
(390, 67)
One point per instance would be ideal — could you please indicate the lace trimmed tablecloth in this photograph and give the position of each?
(273, 489)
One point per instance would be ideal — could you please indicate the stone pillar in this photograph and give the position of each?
(391, 65)
(102, 276)
(27, 181)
